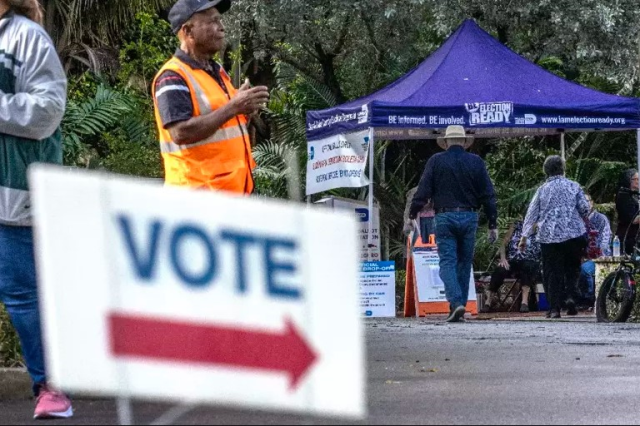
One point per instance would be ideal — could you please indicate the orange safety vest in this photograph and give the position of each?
(222, 161)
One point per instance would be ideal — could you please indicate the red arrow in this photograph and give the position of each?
(180, 342)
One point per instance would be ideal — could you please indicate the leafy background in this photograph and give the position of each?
(315, 54)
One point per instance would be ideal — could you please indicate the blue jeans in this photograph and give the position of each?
(19, 293)
(456, 238)
(427, 227)
(588, 279)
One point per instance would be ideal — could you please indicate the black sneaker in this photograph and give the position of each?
(572, 311)
(457, 314)
(524, 308)
(555, 315)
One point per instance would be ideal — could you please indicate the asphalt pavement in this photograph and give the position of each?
(505, 371)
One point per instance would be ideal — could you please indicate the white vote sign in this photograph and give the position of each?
(171, 294)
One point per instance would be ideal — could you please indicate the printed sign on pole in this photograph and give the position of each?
(338, 162)
(378, 289)
(170, 294)
(360, 210)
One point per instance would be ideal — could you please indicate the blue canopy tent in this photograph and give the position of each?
(475, 81)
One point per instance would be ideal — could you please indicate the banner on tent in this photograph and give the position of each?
(484, 119)
(338, 162)
(504, 114)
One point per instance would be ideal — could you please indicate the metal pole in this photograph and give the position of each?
(562, 147)
(125, 412)
(371, 194)
(293, 176)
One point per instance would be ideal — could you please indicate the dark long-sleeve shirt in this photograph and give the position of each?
(456, 179)
(627, 209)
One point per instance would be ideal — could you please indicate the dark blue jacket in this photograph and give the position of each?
(456, 179)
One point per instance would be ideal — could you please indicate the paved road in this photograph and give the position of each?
(486, 372)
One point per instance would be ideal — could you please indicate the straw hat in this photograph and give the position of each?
(455, 132)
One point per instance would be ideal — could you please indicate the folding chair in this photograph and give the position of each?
(512, 283)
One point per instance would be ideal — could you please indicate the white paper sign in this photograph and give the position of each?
(170, 294)
(361, 212)
(338, 162)
(378, 289)
(429, 284)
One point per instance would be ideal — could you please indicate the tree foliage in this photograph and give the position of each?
(315, 54)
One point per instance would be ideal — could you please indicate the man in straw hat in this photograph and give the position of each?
(458, 184)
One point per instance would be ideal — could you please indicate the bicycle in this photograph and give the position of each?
(617, 295)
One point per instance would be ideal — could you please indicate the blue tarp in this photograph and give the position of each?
(475, 81)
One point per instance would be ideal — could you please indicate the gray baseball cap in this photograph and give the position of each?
(183, 10)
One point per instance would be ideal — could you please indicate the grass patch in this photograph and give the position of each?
(9, 344)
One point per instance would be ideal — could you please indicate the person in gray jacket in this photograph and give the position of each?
(33, 93)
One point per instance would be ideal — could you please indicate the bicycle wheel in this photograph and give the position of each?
(616, 297)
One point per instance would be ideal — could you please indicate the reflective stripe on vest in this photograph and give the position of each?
(222, 161)
(201, 96)
(220, 136)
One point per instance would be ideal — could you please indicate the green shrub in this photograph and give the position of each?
(132, 158)
(401, 276)
(9, 343)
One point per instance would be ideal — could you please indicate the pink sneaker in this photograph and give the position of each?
(52, 405)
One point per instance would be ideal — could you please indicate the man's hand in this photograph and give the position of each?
(504, 263)
(522, 246)
(250, 100)
(493, 236)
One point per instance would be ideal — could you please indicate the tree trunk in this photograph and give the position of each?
(50, 18)
(330, 78)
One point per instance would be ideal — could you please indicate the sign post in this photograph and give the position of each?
(368, 225)
(176, 295)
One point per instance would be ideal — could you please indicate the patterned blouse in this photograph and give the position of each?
(600, 223)
(560, 209)
(533, 251)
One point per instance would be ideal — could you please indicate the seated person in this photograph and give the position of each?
(599, 223)
(514, 263)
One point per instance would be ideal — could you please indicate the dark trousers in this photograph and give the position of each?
(561, 264)
(525, 270)
(427, 228)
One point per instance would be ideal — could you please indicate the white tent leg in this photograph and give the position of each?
(372, 153)
(563, 147)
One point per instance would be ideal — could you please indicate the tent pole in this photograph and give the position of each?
(562, 147)
(371, 195)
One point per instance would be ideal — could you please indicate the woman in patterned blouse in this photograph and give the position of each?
(560, 210)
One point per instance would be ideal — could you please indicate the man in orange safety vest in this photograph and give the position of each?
(201, 117)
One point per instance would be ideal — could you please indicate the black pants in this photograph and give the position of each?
(561, 264)
(525, 270)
